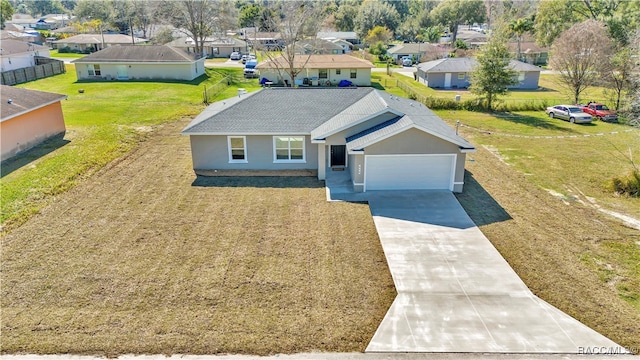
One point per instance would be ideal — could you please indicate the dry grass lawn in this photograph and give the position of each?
(145, 257)
(570, 255)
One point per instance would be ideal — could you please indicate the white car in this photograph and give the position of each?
(572, 113)
(235, 56)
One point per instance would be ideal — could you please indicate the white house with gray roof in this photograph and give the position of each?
(452, 73)
(142, 62)
(383, 141)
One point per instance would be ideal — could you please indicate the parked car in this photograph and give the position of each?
(251, 73)
(235, 56)
(600, 112)
(572, 113)
(247, 57)
(407, 61)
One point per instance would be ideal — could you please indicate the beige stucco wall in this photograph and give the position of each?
(363, 77)
(28, 130)
(211, 152)
(187, 71)
(414, 141)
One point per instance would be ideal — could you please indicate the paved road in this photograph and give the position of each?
(456, 293)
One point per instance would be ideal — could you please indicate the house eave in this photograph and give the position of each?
(64, 97)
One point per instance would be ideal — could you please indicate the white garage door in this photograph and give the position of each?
(409, 172)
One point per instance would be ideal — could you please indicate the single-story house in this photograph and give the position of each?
(346, 46)
(350, 36)
(28, 117)
(412, 50)
(318, 46)
(95, 42)
(452, 73)
(530, 52)
(384, 142)
(133, 62)
(15, 54)
(264, 40)
(214, 47)
(319, 70)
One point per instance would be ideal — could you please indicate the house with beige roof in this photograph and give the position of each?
(318, 70)
(28, 118)
(147, 62)
(87, 43)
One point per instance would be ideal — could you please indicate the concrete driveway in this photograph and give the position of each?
(455, 291)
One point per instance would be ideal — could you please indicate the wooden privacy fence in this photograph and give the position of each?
(44, 67)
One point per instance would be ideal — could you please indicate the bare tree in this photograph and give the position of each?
(300, 20)
(579, 53)
(199, 19)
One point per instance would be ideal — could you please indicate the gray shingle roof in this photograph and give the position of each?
(10, 47)
(412, 48)
(99, 39)
(320, 113)
(415, 114)
(276, 111)
(139, 53)
(23, 100)
(467, 65)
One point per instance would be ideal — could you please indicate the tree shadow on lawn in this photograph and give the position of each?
(481, 207)
(281, 182)
(18, 161)
(532, 121)
(197, 81)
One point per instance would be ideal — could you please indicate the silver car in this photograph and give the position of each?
(571, 113)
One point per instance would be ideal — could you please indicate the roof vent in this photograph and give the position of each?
(10, 101)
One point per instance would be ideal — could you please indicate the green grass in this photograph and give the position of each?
(55, 54)
(103, 123)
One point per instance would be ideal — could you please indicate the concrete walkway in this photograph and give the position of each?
(455, 291)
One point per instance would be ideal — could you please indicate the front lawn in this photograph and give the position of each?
(55, 54)
(146, 258)
(103, 123)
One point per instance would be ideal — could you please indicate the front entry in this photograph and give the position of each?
(338, 155)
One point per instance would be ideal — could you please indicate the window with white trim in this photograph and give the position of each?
(323, 73)
(288, 149)
(338, 71)
(521, 76)
(353, 74)
(237, 149)
(94, 70)
(461, 76)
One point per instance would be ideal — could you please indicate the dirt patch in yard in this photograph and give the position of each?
(144, 258)
(313, 173)
(568, 253)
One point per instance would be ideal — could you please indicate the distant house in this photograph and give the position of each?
(413, 50)
(213, 47)
(346, 46)
(530, 52)
(28, 117)
(88, 43)
(15, 54)
(381, 141)
(452, 73)
(318, 46)
(350, 36)
(129, 62)
(319, 70)
(264, 40)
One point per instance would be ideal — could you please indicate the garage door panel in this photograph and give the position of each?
(409, 172)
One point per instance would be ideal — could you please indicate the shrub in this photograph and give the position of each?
(64, 50)
(628, 185)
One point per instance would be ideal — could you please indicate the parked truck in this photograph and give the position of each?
(600, 112)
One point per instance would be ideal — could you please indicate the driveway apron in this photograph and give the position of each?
(456, 293)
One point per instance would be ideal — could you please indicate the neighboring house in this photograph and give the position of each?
(134, 62)
(319, 70)
(346, 46)
(383, 141)
(60, 20)
(452, 73)
(24, 36)
(412, 50)
(15, 54)
(350, 36)
(264, 40)
(28, 117)
(213, 47)
(530, 52)
(23, 20)
(95, 42)
(318, 46)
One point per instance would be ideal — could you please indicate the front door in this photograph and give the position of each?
(338, 155)
(447, 80)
